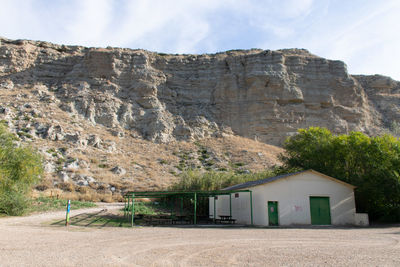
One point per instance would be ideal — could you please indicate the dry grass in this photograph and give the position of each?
(81, 194)
(246, 150)
(68, 187)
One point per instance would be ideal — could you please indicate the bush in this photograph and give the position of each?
(216, 180)
(20, 169)
(14, 203)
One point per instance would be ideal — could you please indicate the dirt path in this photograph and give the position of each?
(28, 241)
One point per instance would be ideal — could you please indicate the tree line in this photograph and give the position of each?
(372, 164)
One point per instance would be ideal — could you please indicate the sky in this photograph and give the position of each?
(365, 34)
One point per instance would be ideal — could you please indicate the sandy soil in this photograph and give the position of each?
(32, 241)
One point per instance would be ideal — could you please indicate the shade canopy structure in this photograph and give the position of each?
(129, 210)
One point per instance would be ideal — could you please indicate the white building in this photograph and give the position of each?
(302, 198)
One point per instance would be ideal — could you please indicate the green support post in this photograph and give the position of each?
(195, 209)
(215, 209)
(251, 207)
(172, 205)
(133, 210)
(124, 207)
(230, 205)
(127, 208)
(181, 206)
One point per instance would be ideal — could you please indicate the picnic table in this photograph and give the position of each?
(225, 219)
(181, 219)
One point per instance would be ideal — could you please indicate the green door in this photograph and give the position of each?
(273, 213)
(320, 211)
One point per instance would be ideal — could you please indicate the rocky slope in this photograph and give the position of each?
(93, 109)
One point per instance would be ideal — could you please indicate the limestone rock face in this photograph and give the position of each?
(261, 94)
(383, 97)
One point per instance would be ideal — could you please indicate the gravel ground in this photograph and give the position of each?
(29, 241)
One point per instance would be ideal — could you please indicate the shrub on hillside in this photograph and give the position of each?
(214, 180)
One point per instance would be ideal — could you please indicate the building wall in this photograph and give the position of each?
(293, 196)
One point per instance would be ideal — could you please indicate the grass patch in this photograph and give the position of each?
(238, 164)
(152, 208)
(42, 204)
(21, 133)
(145, 208)
(103, 166)
(163, 161)
(209, 163)
(60, 161)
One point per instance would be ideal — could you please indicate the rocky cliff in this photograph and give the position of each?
(262, 95)
(266, 95)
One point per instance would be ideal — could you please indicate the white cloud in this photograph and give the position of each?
(88, 22)
(184, 21)
(364, 36)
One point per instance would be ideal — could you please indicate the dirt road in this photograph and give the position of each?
(28, 241)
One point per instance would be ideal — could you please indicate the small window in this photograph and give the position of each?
(236, 195)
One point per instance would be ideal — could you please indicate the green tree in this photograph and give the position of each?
(372, 164)
(20, 168)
